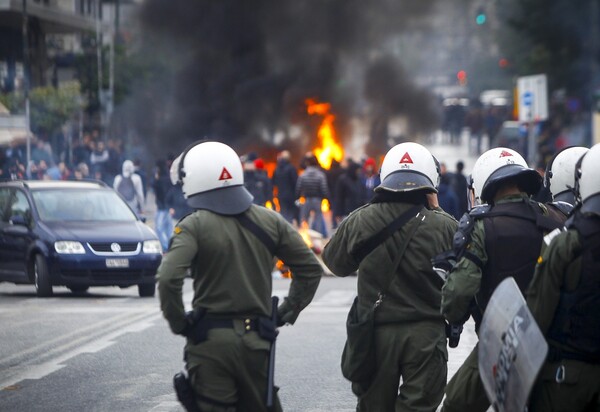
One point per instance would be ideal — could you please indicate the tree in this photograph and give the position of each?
(551, 37)
(50, 107)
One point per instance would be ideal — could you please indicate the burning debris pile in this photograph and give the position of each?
(242, 72)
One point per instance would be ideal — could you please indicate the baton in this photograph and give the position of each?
(271, 376)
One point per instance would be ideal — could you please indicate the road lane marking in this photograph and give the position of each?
(53, 359)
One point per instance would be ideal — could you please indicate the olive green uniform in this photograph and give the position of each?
(232, 270)
(465, 391)
(410, 338)
(558, 269)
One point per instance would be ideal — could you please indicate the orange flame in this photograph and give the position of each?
(329, 149)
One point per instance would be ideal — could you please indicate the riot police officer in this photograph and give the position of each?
(564, 298)
(560, 177)
(228, 244)
(502, 237)
(394, 275)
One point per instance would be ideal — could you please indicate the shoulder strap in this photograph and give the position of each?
(371, 243)
(405, 241)
(257, 231)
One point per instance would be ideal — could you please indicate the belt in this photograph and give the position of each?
(249, 324)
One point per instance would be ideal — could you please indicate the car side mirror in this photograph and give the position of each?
(143, 219)
(18, 220)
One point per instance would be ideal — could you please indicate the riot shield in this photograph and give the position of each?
(512, 349)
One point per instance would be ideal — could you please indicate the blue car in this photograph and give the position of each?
(74, 234)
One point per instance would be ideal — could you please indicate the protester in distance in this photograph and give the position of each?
(564, 298)
(256, 182)
(333, 175)
(396, 280)
(284, 181)
(130, 187)
(502, 237)
(161, 185)
(370, 178)
(446, 196)
(228, 244)
(460, 188)
(139, 170)
(312, 186)
(350, 190)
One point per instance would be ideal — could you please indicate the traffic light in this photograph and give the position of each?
(462, 77)
(480, 17)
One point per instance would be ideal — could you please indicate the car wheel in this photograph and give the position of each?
(78, 289)
(41, 277)
(146, 291)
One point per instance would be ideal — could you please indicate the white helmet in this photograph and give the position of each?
(587, 181)
(560, 173)
(495, 166)
(212, 178)
(407, 167)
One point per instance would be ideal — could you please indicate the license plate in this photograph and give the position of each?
(117, 263)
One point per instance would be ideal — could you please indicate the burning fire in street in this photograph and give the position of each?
(330, 149)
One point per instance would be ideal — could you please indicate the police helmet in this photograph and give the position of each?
(587, 183)
(408, 167)
(212, 178)
(560, 173)
(496, 166)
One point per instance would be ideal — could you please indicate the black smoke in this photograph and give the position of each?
(239, 70)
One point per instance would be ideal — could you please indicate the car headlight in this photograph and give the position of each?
(152, 246)
(69, 247)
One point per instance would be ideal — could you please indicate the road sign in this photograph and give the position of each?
(533, 98)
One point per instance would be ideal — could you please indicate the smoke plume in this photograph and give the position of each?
(238, 70)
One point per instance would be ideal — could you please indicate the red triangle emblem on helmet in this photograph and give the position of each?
(406, 158)
(225, 175)
(505, 154)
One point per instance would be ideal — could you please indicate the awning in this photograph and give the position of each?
(53, 19)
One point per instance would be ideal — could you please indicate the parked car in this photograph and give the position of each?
(74, 234)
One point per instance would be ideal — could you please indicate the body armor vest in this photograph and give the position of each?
(513, 239)
(576, 324)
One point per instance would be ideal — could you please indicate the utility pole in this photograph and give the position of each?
(99, 59)
(26, 86)
(594, 75)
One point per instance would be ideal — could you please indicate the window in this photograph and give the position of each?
(19, 206)
(5, 194)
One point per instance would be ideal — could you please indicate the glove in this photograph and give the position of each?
(443, 264)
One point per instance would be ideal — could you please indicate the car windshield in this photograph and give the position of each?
(81, 205)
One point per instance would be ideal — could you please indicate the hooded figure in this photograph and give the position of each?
(129, 185)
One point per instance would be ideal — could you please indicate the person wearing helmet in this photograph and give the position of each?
(560, 177)
(564, 298)
(390, 241)
(501, 237)
(228, 245)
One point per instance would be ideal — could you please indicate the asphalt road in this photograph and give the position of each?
(109, 350)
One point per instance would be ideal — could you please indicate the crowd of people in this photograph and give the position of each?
(93, 159)
(300, 189)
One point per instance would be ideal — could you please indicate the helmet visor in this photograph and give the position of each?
(231, 200)
(529, 180)
(405, 181)
(591, 205)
